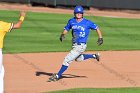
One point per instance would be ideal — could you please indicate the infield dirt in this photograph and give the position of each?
(28, 73)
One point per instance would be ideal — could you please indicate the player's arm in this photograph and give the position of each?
(99, 33)
(62, 36)
(100, 39)
(64, 32)
(20, 21)
(95, 27)
(66, 29)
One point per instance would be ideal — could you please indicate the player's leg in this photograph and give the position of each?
(88, 56)
(74, 53)
(1, 73)
(2, 80)
(67, 60)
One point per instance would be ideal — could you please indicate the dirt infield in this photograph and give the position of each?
(28, 73)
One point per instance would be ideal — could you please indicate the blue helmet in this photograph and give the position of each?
(78, 9)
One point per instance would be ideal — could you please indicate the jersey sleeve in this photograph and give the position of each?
(92, 25)
(5, 26)
(68, 26)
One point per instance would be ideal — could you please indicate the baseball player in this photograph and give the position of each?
(80, 32)
(4, 28)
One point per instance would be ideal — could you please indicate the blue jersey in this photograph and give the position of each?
(80, 30)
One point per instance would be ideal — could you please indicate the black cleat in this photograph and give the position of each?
(53, 78)
(97, 56)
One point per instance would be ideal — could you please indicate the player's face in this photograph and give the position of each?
(78, 15)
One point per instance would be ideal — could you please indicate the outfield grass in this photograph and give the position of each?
(40, 33)
(99, 90)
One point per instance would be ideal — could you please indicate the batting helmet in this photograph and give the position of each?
(78, 9)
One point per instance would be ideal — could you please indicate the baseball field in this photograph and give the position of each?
(34, 52)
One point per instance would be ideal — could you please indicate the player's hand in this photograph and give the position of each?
(22, 13)
(62, 37)
(100, 41)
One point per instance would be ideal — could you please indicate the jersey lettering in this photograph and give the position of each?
(78, 27)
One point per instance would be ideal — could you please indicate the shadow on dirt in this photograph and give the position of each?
(63, 76)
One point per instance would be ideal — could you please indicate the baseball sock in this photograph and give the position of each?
(87, 56)
(63, 68)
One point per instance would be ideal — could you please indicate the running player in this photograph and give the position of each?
(80, 32)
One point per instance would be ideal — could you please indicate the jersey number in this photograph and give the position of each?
(82, 34)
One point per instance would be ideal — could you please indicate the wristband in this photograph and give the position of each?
(22, 18)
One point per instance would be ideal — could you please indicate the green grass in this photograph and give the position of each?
(40, 33)
(99, 90)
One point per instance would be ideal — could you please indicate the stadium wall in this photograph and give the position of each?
(109, 4)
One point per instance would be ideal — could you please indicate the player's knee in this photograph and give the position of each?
(66, 62)
(80, 58)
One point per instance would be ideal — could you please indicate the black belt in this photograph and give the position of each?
(79, 43)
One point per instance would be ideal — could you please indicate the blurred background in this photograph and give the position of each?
(101, 4)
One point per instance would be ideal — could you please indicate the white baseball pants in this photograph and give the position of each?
(1, 73)
(76, 51)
